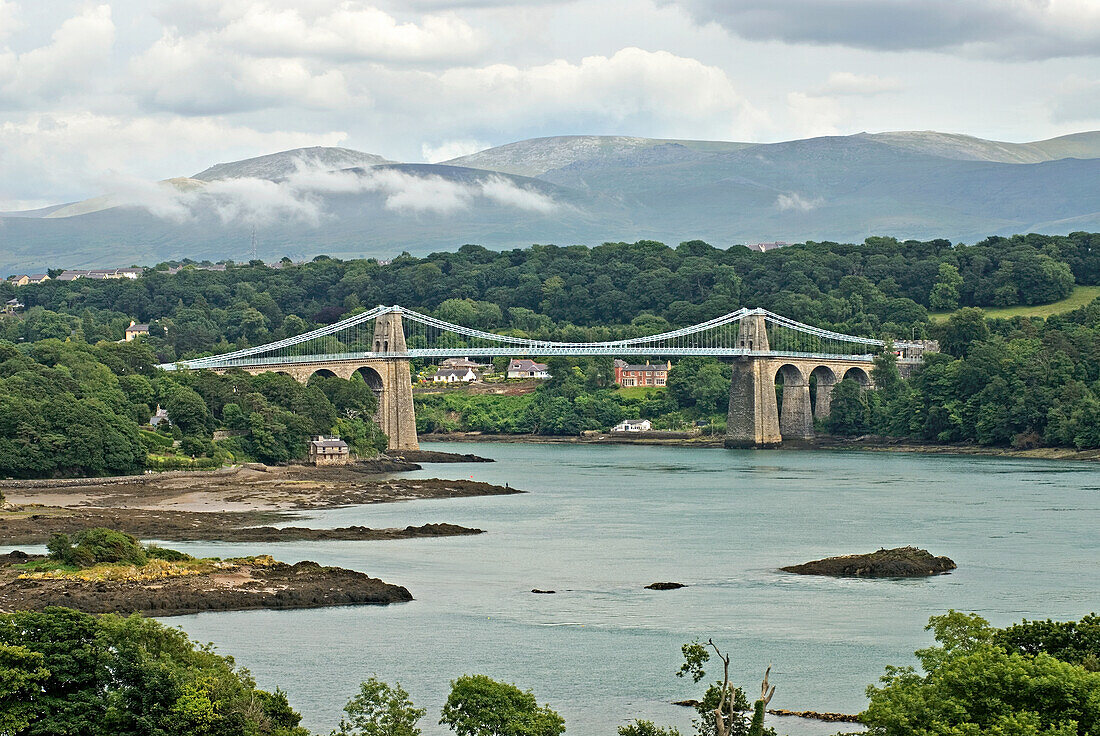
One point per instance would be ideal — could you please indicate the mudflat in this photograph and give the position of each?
(242, 503)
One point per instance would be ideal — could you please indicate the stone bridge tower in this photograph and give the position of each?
(396, 415)
(753, 419)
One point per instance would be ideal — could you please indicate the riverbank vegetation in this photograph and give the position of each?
(1021, 383)
(62, 671)
(68, 408)
(73, 401)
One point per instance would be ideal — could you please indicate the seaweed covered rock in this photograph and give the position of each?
(900, 562)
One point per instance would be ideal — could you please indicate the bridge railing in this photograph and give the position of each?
(718, 337)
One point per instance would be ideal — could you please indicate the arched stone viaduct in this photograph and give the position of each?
(390, 378)
(754, 418)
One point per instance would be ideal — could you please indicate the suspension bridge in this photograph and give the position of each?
(763, 347)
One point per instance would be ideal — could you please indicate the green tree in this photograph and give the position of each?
(22, 677)
(971, 685)
(1076, 642)
(93, 546)
(945, 293)
(961, 330)
(380, 710)
(481, 706)
(113, 676)
(646, 728)
(188, 411)
(847, 409)
(722, 708)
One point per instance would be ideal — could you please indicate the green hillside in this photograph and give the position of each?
(1081, 296)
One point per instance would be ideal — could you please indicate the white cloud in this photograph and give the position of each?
(9, 18)
(796, 202)
(857, 85)
(686, 97)
(192, 76)
(351, 30)
(448, 150)
(298, 197)
(1077, 100)
(410, 192)
(67, 154)
(813, 116)
(504, 192)
(65, 65)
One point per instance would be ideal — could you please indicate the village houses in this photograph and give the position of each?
(460, 370)
(24, 279)
(100, 274)
(524, 368)
(641, 375)
(633, 425)
(454, 375)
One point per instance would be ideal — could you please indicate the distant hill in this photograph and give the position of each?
(280, 165)
(585, 189)
(965, 147)
(537, 156)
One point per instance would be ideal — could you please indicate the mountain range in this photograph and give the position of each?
(576, 189)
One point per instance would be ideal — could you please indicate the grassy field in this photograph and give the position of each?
(1081, 296)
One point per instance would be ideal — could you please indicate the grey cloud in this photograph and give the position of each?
(1028, 29)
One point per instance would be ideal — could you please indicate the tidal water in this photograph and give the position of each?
(599, 523)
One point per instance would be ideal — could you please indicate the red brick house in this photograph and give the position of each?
(641, 375)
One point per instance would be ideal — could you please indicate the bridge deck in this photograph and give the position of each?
(255, 362)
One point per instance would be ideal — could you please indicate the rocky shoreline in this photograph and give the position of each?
(868, 443)
(231, 585)
(36, 524)
(900, 562)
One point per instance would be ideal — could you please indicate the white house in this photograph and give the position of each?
(523, 368)
(633, 425)
(454, 375)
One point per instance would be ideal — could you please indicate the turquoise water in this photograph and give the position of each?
(601, 522)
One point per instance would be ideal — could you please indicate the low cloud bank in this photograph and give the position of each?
(796, 202)
(300, 197)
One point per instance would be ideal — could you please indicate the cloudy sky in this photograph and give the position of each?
(92, 91)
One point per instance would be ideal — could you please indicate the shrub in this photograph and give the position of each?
(93, 546)
(168, 555)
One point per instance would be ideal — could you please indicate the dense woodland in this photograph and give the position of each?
(74, 398)
(69, 408)
(880, 286)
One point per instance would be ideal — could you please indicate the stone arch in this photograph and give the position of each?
(322, 372)
(823, 378)
(795, 415)
(373, 379)
(858, 375)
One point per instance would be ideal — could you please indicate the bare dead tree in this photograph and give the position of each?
(723, 714)
(760, 707)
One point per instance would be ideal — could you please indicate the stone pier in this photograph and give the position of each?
(796, 421)
(753, 419)
(396, 415)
